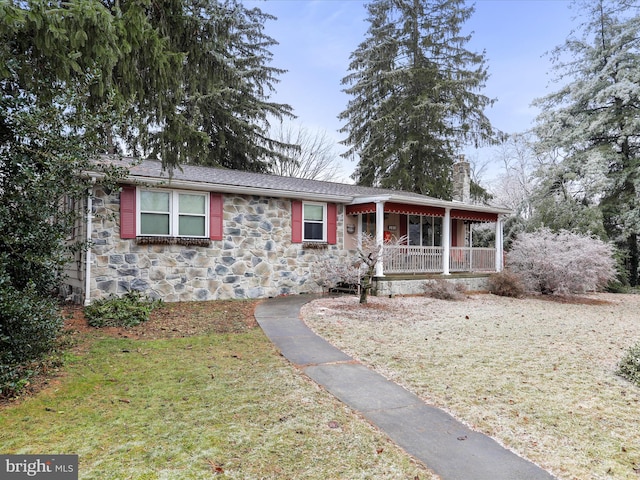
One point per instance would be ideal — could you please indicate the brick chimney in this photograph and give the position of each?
(462, 180)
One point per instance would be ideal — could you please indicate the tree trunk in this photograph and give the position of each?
(365, 285)
(632, 245)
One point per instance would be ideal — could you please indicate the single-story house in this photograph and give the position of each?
(207, 233)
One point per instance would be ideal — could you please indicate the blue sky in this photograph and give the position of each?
(316, 38)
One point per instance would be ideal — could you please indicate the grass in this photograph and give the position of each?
(193, 405)
(538, 376)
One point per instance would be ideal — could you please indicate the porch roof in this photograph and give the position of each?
(194, 177)
(409, 209)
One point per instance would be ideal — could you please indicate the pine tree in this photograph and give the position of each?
(593, 120)
(189, 79)
(207, 100)
(185, 80)
(415, 95)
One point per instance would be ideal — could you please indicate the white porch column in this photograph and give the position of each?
(380, 237)
(499, 245)
(446, 240)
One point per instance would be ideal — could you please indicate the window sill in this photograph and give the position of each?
(187, 241)
(315, 245)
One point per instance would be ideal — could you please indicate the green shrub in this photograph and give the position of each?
(29, 327)
(629, 366)
(127, 311)
(444, 290)
(506, 284)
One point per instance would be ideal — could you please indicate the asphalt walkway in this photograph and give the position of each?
(443, 444)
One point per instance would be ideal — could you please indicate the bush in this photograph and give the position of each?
(127, 311)
(29, 328)
(331, 272)
(506, 284)
(629, 366)
(561, 263)
(444, 290)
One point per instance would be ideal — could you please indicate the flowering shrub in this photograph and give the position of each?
(561, 263)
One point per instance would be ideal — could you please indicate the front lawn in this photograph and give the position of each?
(198, 392)
(537, 375)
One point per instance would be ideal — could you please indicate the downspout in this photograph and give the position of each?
(89, 226)
(380, 238)
(446, 240)
(499, 245)
(470, 246)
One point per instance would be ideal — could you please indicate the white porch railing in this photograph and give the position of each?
(411, 259)
(466, 259)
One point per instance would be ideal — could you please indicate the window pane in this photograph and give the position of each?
(427, 232)
(314, 212)
(437, 231)
(313, 231)
(154, 224)
(154, 201)
(369, 224)
(191, 203)
(191, 226)
(414, 230)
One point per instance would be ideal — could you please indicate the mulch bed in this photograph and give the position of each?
(181, 319)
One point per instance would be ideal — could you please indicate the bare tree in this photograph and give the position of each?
(358, 270)
(313, 156)
(514, 187)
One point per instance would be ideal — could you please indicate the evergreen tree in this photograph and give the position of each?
(189, 79)
(415, 95)
(593, 120)
(185, 80)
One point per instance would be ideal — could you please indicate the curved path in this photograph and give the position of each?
(443, 444)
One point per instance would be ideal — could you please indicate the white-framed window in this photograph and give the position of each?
(314, 221)
(425, 231)
(174, 213)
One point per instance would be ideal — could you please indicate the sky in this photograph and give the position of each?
(316, 38)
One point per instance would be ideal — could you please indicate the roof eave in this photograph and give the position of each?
(430, 202)
(237, 189)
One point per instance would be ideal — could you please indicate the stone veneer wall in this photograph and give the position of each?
(256, 259)
(390, 287)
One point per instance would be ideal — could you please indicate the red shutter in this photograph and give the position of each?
(332, 223)
(296, 221)
(216, 213)
(403, 228)
(128, 211)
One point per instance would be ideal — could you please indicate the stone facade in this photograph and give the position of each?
(391, 286)
(255, 259)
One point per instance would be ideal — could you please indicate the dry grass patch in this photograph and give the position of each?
(537, 375)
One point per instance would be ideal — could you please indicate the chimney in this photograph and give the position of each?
(462, 180)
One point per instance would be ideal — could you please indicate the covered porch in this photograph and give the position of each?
(418, 239)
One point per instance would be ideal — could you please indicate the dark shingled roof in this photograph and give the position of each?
(217, 178)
